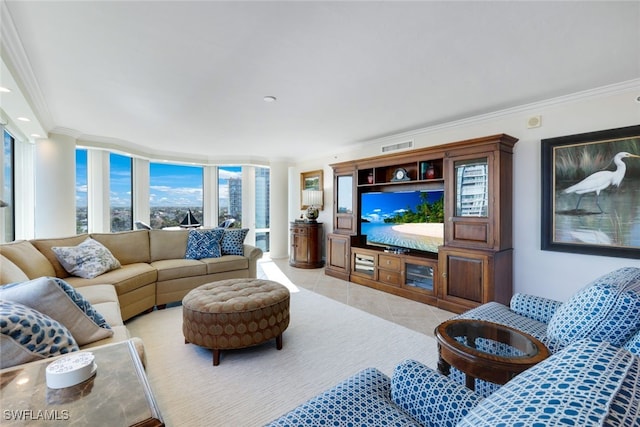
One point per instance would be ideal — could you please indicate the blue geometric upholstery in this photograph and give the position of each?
(588, 383)
(607, 309)
(430, 398)
(592, 377)
(361, 400)
(534, 307)
(633, 345)
(573, 387)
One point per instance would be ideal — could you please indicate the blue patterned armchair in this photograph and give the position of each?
(592, 377)
(588, 383)
(607, 309)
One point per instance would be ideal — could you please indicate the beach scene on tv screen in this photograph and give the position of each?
(409, 219)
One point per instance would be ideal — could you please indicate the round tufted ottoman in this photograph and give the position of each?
(235, 313)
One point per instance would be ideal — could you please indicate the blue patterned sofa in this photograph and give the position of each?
(591, 379)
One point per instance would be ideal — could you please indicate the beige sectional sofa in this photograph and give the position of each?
(153, 269)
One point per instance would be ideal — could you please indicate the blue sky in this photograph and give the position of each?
(170, 185)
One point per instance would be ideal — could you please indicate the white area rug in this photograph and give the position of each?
(326, 342)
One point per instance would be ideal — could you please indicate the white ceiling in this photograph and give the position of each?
(189, 78)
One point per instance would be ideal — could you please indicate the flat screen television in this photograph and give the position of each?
(406, 219)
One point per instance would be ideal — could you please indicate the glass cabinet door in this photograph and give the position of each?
(345, 194)
(471, 187)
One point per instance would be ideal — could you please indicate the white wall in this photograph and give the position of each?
(551, 274)
(55, 198)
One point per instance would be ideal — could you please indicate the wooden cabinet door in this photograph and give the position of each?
(338, 250)
(465, 279)
(299, 248)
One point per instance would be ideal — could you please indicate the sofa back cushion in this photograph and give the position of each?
(28, 259)
(608, 309)
(168, 244)
(9, 272)
(45, 245)
(576, 386)
(129, 247)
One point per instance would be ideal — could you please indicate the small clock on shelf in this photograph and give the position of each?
(400, 174)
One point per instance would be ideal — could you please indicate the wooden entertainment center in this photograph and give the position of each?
(474, 263)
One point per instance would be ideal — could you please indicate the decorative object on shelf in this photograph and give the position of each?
(190, 221)
(312, 199)
(400, 174)
(581, 207)
(370, 178)
(311, 181)
(431, 172)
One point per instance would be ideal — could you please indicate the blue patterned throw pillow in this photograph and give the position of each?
(60, 301)
(204, 244)
(574, 387)
(233, 241)
(608, 309)
(29, 335)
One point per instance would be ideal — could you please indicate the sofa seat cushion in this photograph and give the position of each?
(125, 279)
(28, 258)
(168, 244)
(129, 247)
(60, 301)
(575, 386)
(226, 263)
(27, 335)
(10, 272)
(45, 245)
(608, 309)
(169, 269)
(361, 400)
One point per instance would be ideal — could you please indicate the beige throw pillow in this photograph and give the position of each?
(87, 260)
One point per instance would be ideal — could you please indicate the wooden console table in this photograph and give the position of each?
(118, 393)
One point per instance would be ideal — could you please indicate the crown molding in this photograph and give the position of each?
(594, 93)
(17, 60)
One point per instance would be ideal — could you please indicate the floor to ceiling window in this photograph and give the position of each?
(7, 201)
(174, 191)
(82, 200)
(230, 194)
(120, 192)
(263, 189)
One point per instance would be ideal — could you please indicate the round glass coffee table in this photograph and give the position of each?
(486, 350)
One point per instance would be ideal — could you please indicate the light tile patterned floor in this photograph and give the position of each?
(411, 314)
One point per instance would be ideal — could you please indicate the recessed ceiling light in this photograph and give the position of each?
(24, 119)
(269, 98)
(5, 89)
(35, 135)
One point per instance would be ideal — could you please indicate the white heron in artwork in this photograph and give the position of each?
(598, 181)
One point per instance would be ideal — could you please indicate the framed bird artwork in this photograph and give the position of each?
(591, 193)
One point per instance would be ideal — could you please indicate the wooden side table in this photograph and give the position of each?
(306, 241)
(118, 393)
(458, 347)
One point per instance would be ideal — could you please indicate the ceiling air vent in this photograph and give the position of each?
(399, 146)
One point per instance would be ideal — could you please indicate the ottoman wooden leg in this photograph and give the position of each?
(279, 342)
(216, 357)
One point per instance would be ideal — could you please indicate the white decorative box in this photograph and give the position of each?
(71, 370)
